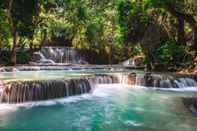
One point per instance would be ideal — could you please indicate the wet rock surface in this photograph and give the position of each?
(132, 78)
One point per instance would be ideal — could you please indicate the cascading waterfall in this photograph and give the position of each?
(34, 90)
(24, 91)
(52, 55)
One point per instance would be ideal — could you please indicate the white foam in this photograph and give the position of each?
(101, 90)
(139, 109)
(7, 108)
(133, 123)
(104, 90)
(14, 107)
(52, 102)
(185, 89)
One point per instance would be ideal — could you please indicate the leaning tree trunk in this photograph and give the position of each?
(188, 18)
(181, 31)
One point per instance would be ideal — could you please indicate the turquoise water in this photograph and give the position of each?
(37, 75)
(53, 74)
(107, 108)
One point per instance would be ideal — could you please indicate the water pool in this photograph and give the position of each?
(38, 75)
(55, 74)
(107, 108)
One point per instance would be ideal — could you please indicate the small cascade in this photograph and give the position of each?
(182, 82)
(170, 81)
(124, 78)
(105, 79)
(140, 80)
(157, 81)
(52, 55)
(131, 78)
(35, 90)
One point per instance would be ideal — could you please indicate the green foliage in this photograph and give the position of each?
(133, 19)
(104, 26)
(93, 31)
(4, 30)
(170, 53)
(22, 57)
(23, 13)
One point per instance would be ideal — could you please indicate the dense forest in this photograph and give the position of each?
(164, 32)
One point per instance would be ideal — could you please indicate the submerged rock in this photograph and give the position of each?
(191, 104)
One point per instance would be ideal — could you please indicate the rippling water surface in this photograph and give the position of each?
(107, 108)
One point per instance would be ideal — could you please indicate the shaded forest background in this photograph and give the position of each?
(164, 32)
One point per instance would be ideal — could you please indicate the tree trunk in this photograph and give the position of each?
(181, 31)
(110, 54)
(13, 52)
(195, 38)
(31, 45)
(43, 39)
(14, 32)
(126, 51)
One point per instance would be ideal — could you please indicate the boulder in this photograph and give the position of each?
(149, 80)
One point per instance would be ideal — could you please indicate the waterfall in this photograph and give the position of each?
(52, 55)
(24, 91)
(35, 90)
(156, 80)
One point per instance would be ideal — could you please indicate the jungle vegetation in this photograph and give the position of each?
(163, 31)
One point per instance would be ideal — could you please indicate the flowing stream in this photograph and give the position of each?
(104, 100)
